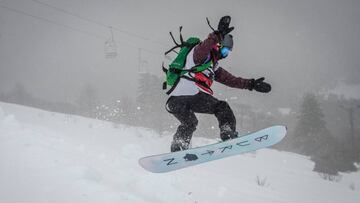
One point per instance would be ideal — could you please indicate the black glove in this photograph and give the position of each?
(223, 27)
(259, 85)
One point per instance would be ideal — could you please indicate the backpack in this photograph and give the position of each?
(176, 68)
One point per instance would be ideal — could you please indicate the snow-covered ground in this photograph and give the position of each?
(50, 157)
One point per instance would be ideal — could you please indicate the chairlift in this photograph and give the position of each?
(110, 46)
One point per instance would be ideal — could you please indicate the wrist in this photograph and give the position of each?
(250, 84)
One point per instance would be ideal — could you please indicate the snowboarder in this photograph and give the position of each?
(192, 93)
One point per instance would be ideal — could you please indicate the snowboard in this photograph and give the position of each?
(167, 162)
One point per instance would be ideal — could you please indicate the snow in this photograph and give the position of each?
(52, 157)
(346, 91)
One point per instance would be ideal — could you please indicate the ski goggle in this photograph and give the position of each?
(224, 51)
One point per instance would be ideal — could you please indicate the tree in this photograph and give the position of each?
(341, 114)
(88, 101)
(310, 131)
(328, 158)
(313, 139)
(151, 103)
(19, 95)
(125, 109)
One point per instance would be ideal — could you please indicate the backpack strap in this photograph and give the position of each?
(195, 69)
(177, 45)
(173, 87)
(190, 79)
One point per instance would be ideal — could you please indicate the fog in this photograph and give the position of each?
(102, 59)
(54, 48)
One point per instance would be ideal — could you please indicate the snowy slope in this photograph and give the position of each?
(51, 157)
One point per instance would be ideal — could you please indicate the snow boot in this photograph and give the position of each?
(227, 133)
(179, 144)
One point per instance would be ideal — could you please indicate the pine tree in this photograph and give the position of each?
(310, 132)
(125, 109)
(313, 139)
(88, 101)
(151, 103)
(19, 95)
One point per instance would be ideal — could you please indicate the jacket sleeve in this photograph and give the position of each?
(202, 50)
(226, 78)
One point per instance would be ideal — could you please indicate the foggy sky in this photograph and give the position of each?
(299, 46)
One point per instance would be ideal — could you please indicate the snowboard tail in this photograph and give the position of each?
(173, 161)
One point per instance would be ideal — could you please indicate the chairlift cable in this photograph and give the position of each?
(50, 21)
(97, 22)
(66, 26)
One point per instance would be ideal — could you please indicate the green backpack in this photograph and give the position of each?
(176, 69)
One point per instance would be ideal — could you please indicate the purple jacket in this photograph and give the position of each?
(202, 52)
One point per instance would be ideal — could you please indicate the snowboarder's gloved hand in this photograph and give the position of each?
(259, 85)
(223, 27)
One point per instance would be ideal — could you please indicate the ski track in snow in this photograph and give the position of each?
(51, 157)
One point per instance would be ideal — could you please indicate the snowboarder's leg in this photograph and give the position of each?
(179, 107)
(205, 103)
(184, 109)
(227, 121)
(185, 130)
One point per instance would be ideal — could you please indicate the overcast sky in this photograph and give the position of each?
(56, 47)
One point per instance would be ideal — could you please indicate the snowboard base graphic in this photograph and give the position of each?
(173, 161)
